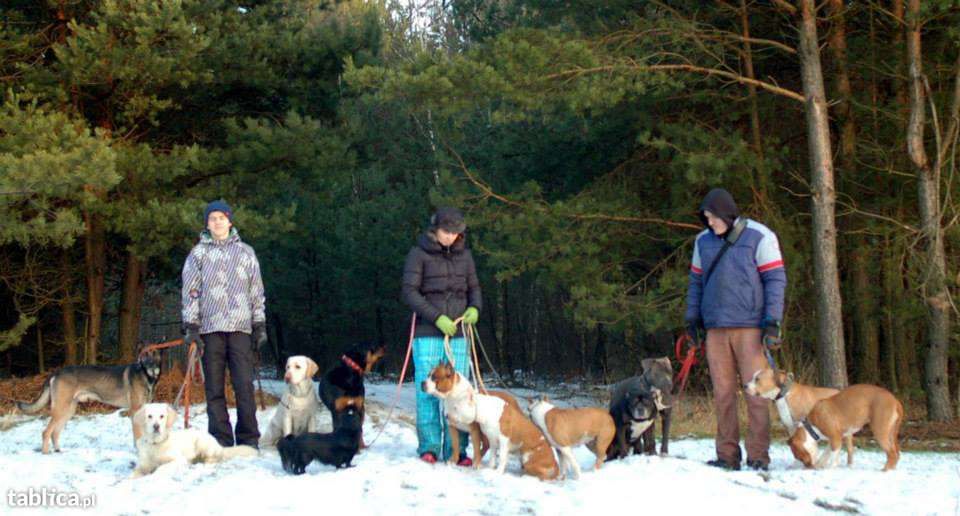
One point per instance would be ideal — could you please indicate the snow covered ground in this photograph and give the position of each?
(98, 455)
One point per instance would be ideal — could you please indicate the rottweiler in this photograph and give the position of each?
(342, 385)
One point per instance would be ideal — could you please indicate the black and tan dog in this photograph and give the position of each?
(336, 448)
(125, 386)
(342, 385)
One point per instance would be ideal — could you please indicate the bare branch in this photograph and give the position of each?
(683, 68)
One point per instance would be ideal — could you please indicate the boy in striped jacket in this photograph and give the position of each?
(223, 312)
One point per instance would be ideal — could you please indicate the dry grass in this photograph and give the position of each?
(28, 388)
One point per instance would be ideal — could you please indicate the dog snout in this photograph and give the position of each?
(423, 386)
(156, 427)
(287, 377)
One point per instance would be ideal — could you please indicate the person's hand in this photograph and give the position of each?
(444, 324)
(696, 332)
(471, 315)
(191, 334)
(259, 335)
(771, 334)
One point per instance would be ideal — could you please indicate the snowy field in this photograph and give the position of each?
(98, 456)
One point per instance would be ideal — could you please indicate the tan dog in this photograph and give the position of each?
(566, 428)
(490, 416)
(161, 444)
(843, 415)
(793, 400)
(297, 411)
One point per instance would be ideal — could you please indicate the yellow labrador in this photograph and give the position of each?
(297, 411)
(160, 444)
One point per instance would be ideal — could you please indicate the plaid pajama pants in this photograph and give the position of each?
(432, 431)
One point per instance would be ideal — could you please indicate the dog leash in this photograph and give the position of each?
(403, 372)
(687, 360)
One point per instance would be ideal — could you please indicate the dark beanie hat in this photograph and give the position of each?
(448, 219)
(219, 205)
(720, 203)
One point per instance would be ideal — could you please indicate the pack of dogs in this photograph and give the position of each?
(543, 437)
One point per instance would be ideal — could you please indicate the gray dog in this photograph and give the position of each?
(125, 386)
(635, 404)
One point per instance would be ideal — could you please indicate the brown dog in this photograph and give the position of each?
(566, 428)
(843, 415)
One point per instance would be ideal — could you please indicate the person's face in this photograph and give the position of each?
(446, 238)
(717, 224)
(219, 225)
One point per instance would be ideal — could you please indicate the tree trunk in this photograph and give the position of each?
(40, 358)
(865, 334)
(95, 246)
(934, 290)
(830, 345)
(760, 176)
(892, 326)
(68, 312)
(130, 306)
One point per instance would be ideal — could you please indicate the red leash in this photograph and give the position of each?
(403, 372)
(687, 360)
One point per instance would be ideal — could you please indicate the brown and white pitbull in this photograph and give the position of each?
(841, 416)
(566, 428)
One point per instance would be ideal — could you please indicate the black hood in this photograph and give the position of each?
(428, 242)
(719, 202)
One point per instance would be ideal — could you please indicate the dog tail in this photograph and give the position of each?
(241, 450)
(41, 402)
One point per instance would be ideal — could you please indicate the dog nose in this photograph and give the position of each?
(156, 427)
(423, 386)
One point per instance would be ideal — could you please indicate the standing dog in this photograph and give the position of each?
(342, 385)
(161, 444)
(495, 417)
(336, 448)
(566, 428)
(793, 400)
(297, 411)
(840, 416)
(128, 386)
(634, 405)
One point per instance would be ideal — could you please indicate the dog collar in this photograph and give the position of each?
(811, 430)
(351, 364)
(784, 389)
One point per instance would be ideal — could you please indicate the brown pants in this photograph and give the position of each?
(731, 351)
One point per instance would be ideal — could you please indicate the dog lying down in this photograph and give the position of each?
(161, 444)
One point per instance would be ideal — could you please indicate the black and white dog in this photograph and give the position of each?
(634, 406)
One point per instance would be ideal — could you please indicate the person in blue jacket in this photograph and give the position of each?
(736, 297)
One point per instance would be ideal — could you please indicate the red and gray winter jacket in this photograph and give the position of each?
(746, 287)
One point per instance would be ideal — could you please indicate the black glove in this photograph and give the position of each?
(696, 332)
(259, 335)
(771, 334)
(191, 334)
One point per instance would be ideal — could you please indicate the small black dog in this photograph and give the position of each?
(635, 404)
(342, 385)
(335, 449)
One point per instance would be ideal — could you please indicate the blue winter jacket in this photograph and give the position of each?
(747, 286)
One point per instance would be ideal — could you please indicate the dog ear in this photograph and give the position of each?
(646, 364)
(171, 417)
(312, 367)
(140, 419)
